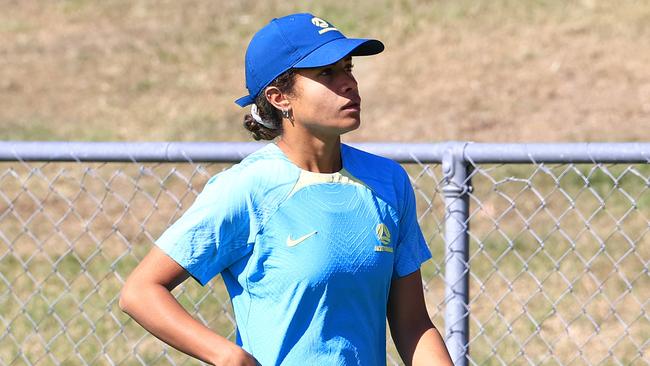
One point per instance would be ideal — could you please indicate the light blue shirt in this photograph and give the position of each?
(307, 258)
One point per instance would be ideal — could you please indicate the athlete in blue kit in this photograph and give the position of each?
(317, 242)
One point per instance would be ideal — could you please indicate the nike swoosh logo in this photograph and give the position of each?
(292, 242)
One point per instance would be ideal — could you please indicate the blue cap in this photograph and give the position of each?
(297, 41)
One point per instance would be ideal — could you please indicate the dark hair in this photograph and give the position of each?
(267, 111)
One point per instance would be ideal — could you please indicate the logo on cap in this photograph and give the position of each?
(322, 24)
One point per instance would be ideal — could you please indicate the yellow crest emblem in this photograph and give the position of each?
(383, 234)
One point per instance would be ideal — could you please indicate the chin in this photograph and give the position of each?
(351, 126)
(338, 128)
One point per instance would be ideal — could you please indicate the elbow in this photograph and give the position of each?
(126, 300)
(122, 302)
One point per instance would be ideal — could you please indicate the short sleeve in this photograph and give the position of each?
(411, 249)
(214, 232)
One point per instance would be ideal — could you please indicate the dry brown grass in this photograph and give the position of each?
(464, 70)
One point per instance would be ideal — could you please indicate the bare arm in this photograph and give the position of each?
(146, 297)
(417, 340)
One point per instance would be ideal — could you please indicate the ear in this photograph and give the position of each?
(277, 98)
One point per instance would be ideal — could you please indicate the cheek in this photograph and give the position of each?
(315, 105)
(324, 106)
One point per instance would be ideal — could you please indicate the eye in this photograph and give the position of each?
(349, 67)
(325, 72)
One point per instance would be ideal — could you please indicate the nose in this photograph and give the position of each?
(348, 83)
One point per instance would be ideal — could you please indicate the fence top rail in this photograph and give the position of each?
(521, 153)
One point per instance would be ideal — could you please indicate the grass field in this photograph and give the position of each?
(506, 70)
(559, 267)
(453, 70)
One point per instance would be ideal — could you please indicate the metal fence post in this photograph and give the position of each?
(456, 187)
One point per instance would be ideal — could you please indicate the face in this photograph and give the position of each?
(326, 99)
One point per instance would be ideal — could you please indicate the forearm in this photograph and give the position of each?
(156, 309)
(421, 344)
(417, 340)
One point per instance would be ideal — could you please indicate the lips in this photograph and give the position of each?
(355, 105)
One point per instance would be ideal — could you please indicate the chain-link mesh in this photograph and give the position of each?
(559, 264)
(558, 257)
(69, 235)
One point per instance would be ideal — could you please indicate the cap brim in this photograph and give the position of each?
(335, 50)
(245, 100)
(328, 54)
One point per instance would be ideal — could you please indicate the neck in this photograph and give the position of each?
(312, 153)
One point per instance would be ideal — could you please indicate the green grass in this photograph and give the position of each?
(60, 281)
(583, 266)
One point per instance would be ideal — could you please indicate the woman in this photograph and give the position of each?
(317, 242)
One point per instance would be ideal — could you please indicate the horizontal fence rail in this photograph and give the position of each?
(635, 152)
(540, 251)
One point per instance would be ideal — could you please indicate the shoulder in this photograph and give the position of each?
(255, 186)
(384, 176)
(263, 169)
(377, 168)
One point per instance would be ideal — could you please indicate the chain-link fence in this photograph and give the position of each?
(557, 254)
